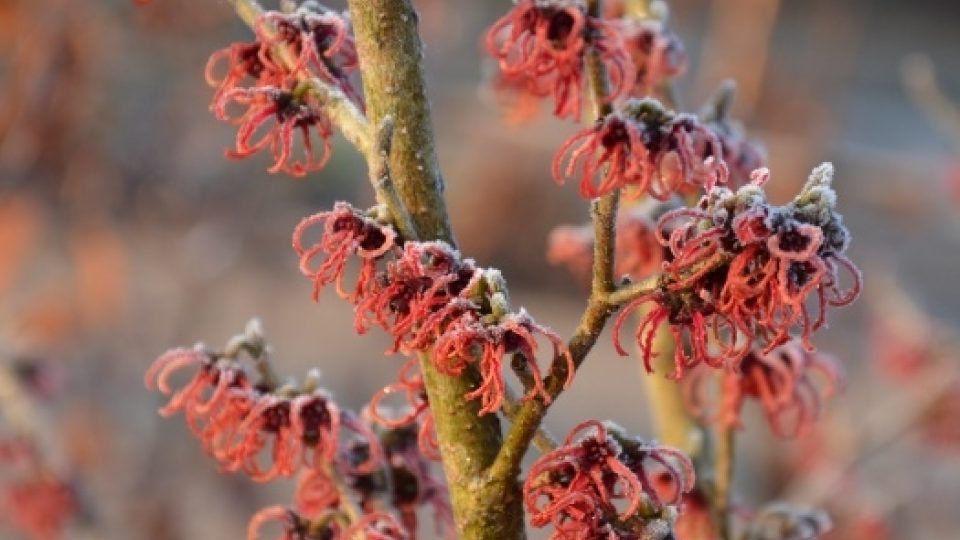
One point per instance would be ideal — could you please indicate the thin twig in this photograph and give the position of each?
(379, 165)
(543, 439)
(920, 80)
(528, 418)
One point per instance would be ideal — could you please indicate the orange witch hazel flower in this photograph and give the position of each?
(741, 270)
(645, 148)
(789, 382)
(545, 42)
(598, 479)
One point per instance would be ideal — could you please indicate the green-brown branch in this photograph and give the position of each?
(391, 67)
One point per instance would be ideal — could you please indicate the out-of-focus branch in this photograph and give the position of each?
(920, 80)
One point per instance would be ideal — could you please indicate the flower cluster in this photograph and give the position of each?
(593, 484)
(269, 78)
(541, 47)
(789, 382)
(638, 253)
(270, 431)
(643, 147)
(741, 270)
(425, 295)
(239, 422)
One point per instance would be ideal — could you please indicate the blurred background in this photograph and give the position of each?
(124, 231)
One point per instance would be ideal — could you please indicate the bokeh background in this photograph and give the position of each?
(124, 231)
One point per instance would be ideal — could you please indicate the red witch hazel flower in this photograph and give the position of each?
(237, 420)
(789, 382)
(470, 339)
(245, 61)
(656, 52)
(39, 507)
(345, 232)
(592, 485)
(638, 252)
(34, 499)
(414, 296)
(741, 270)
(272, 118)
(645, 148)
(407, 481)
(414, 411)
(546, 41)
(463, 311)
(320, 40)
(742, 155)
(572, 246)
(277, 97)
